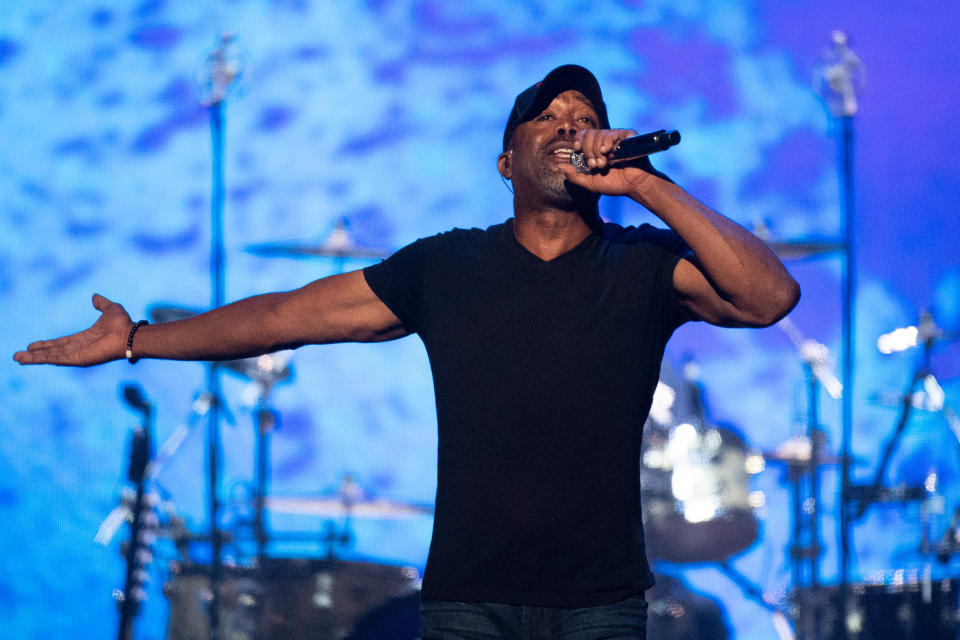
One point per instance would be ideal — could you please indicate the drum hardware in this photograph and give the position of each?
(805, 456)
(265, 371)
(334, 507)
(949, 543)
(857, 500)
(143, 521)
(155, 467)
(897, 605)
(798, 249)
(797, 451)
(803, 248)
(677, 613)
(340, 244)
(247, 606)
(219, 73)
(290, 598)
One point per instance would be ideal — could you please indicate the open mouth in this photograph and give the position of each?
(561, 154)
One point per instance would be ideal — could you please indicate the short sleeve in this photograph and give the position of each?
(398, 282)
(667, 248)
(674, 313)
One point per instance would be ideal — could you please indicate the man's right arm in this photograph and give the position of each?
(340, 308)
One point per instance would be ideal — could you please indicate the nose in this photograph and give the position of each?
(566, 129)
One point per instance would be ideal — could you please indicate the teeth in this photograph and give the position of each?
(567, 151)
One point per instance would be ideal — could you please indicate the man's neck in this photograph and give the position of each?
(548, 233)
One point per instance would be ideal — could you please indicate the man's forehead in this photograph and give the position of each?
(574, 95)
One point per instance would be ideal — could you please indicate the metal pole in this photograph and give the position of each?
(217, 269)
(849, 286)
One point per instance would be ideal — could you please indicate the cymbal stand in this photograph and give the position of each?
(806, 547)
(804, 475)
(349, 493)
(265, 422)
(859, 499)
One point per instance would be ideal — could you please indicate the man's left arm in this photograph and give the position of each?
(733, 279)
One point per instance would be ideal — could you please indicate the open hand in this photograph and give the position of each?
(106, 340)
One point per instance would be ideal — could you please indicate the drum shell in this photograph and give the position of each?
(879, 611)
(287, 598)
(718, 459)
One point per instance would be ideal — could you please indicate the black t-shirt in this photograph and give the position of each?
(543, 374)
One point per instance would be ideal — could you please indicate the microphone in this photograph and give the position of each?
(631, 149)
(133, 396)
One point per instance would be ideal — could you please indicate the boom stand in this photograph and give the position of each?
(840, 76)
(221, 74)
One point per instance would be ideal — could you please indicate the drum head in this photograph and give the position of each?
(694, 482)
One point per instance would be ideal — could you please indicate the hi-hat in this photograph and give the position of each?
(339, 243)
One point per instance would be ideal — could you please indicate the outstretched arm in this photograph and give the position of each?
(734, 279)
(340, 308)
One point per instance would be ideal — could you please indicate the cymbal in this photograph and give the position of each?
(336, 506)
(799, 460)
(171, 312)
(266, 370)
(803, 248)
(797, 451)
(339, 243)
(305, 250)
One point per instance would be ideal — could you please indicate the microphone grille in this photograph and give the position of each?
(576, 159)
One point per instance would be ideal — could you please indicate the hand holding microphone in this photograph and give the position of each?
(630, 151)
(597, 151)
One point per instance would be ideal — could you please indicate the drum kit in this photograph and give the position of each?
(698, 507)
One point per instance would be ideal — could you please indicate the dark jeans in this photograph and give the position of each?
(624, 620)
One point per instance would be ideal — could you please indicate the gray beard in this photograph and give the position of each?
(554, 187)
(560, 193)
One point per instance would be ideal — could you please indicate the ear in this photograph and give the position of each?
(504, 162)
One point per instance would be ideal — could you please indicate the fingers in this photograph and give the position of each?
(44, 351)
(65, 350)
(100, 303)
(34, 355)
(597, 145)
(102, 342)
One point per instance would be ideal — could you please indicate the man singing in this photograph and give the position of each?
(545, 335)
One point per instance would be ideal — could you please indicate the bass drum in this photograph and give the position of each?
(296, 598)
(674, 612)
(907, 607)
(694, 479)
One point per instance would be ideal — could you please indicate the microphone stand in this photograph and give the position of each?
(839, 78)
(222, 73)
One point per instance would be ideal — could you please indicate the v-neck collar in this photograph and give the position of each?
(511, 239)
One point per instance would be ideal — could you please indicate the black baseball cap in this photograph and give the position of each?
(535, 99)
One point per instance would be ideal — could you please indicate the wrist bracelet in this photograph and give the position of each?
(133, 330)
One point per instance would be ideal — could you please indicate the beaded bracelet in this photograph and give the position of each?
(133, 330)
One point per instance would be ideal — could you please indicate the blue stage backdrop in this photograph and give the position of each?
(389, 114)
